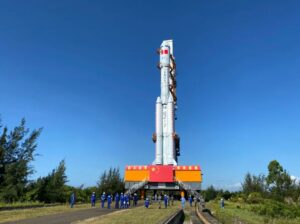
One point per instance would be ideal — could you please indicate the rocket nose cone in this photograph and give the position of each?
(158, 100)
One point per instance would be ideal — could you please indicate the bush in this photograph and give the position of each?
(255, 198)
(210, 193)
(276, 209)
(226, 195)
(239, 197)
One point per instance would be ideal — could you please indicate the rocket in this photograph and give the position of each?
(166, 146)
(164, 172)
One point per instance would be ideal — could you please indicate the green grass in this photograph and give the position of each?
(18, 214)
(138, 215)
(241, 212)
(20, 204)
(187, 216)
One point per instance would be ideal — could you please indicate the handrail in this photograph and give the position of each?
(136, 186)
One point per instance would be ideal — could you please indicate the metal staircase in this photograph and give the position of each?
(189, 189)
(196, 194)
(136, 187)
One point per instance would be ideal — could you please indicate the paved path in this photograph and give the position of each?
(193, 217)
(67, 217)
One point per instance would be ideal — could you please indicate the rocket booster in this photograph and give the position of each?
(165, 129)
(159, 132)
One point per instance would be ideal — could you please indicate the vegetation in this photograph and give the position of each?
(29, 204)
(111, 181)
(50, 189)
(17, 148)
(274, 198)
(254, 183)
(211, 193)
(17, 151)
(14, 215)
(241, 212)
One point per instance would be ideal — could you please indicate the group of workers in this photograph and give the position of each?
(121, 201)
(167, 199)
(159, 199)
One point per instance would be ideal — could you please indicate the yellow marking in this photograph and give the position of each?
(136, 175)
(188, 176)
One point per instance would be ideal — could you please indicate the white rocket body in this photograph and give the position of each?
(165, 128)
(159, 132)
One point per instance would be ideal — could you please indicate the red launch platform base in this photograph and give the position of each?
(163, 175)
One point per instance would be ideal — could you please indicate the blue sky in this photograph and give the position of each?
(86, 72)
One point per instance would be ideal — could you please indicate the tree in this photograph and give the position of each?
(111, 181)
(210, 193)
(254, 183)
(16, 153)
(278, 180)
(226, 195)
(82, 194)
(52, 188)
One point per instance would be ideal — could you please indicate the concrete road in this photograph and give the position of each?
(67, 217)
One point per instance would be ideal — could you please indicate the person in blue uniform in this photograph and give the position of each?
(93, 199)
(147, 202)
(72, 200)
(129, 200)
(122, 199)
(172, 199)
(103, 197)
(182, 202)
(126, 200)
(191, 200)
(117, 199)
(135, 199)
(222, 203)
(108, 201)
(159, 201)
(166, 201)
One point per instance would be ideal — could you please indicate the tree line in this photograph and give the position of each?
(277, 185)
(17, 152)
(276, 194)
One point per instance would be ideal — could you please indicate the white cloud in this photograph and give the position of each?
(297, 179)
(229, 187)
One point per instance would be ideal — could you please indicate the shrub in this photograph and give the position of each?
(237, 198)
(255, 198)
(275, 209)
